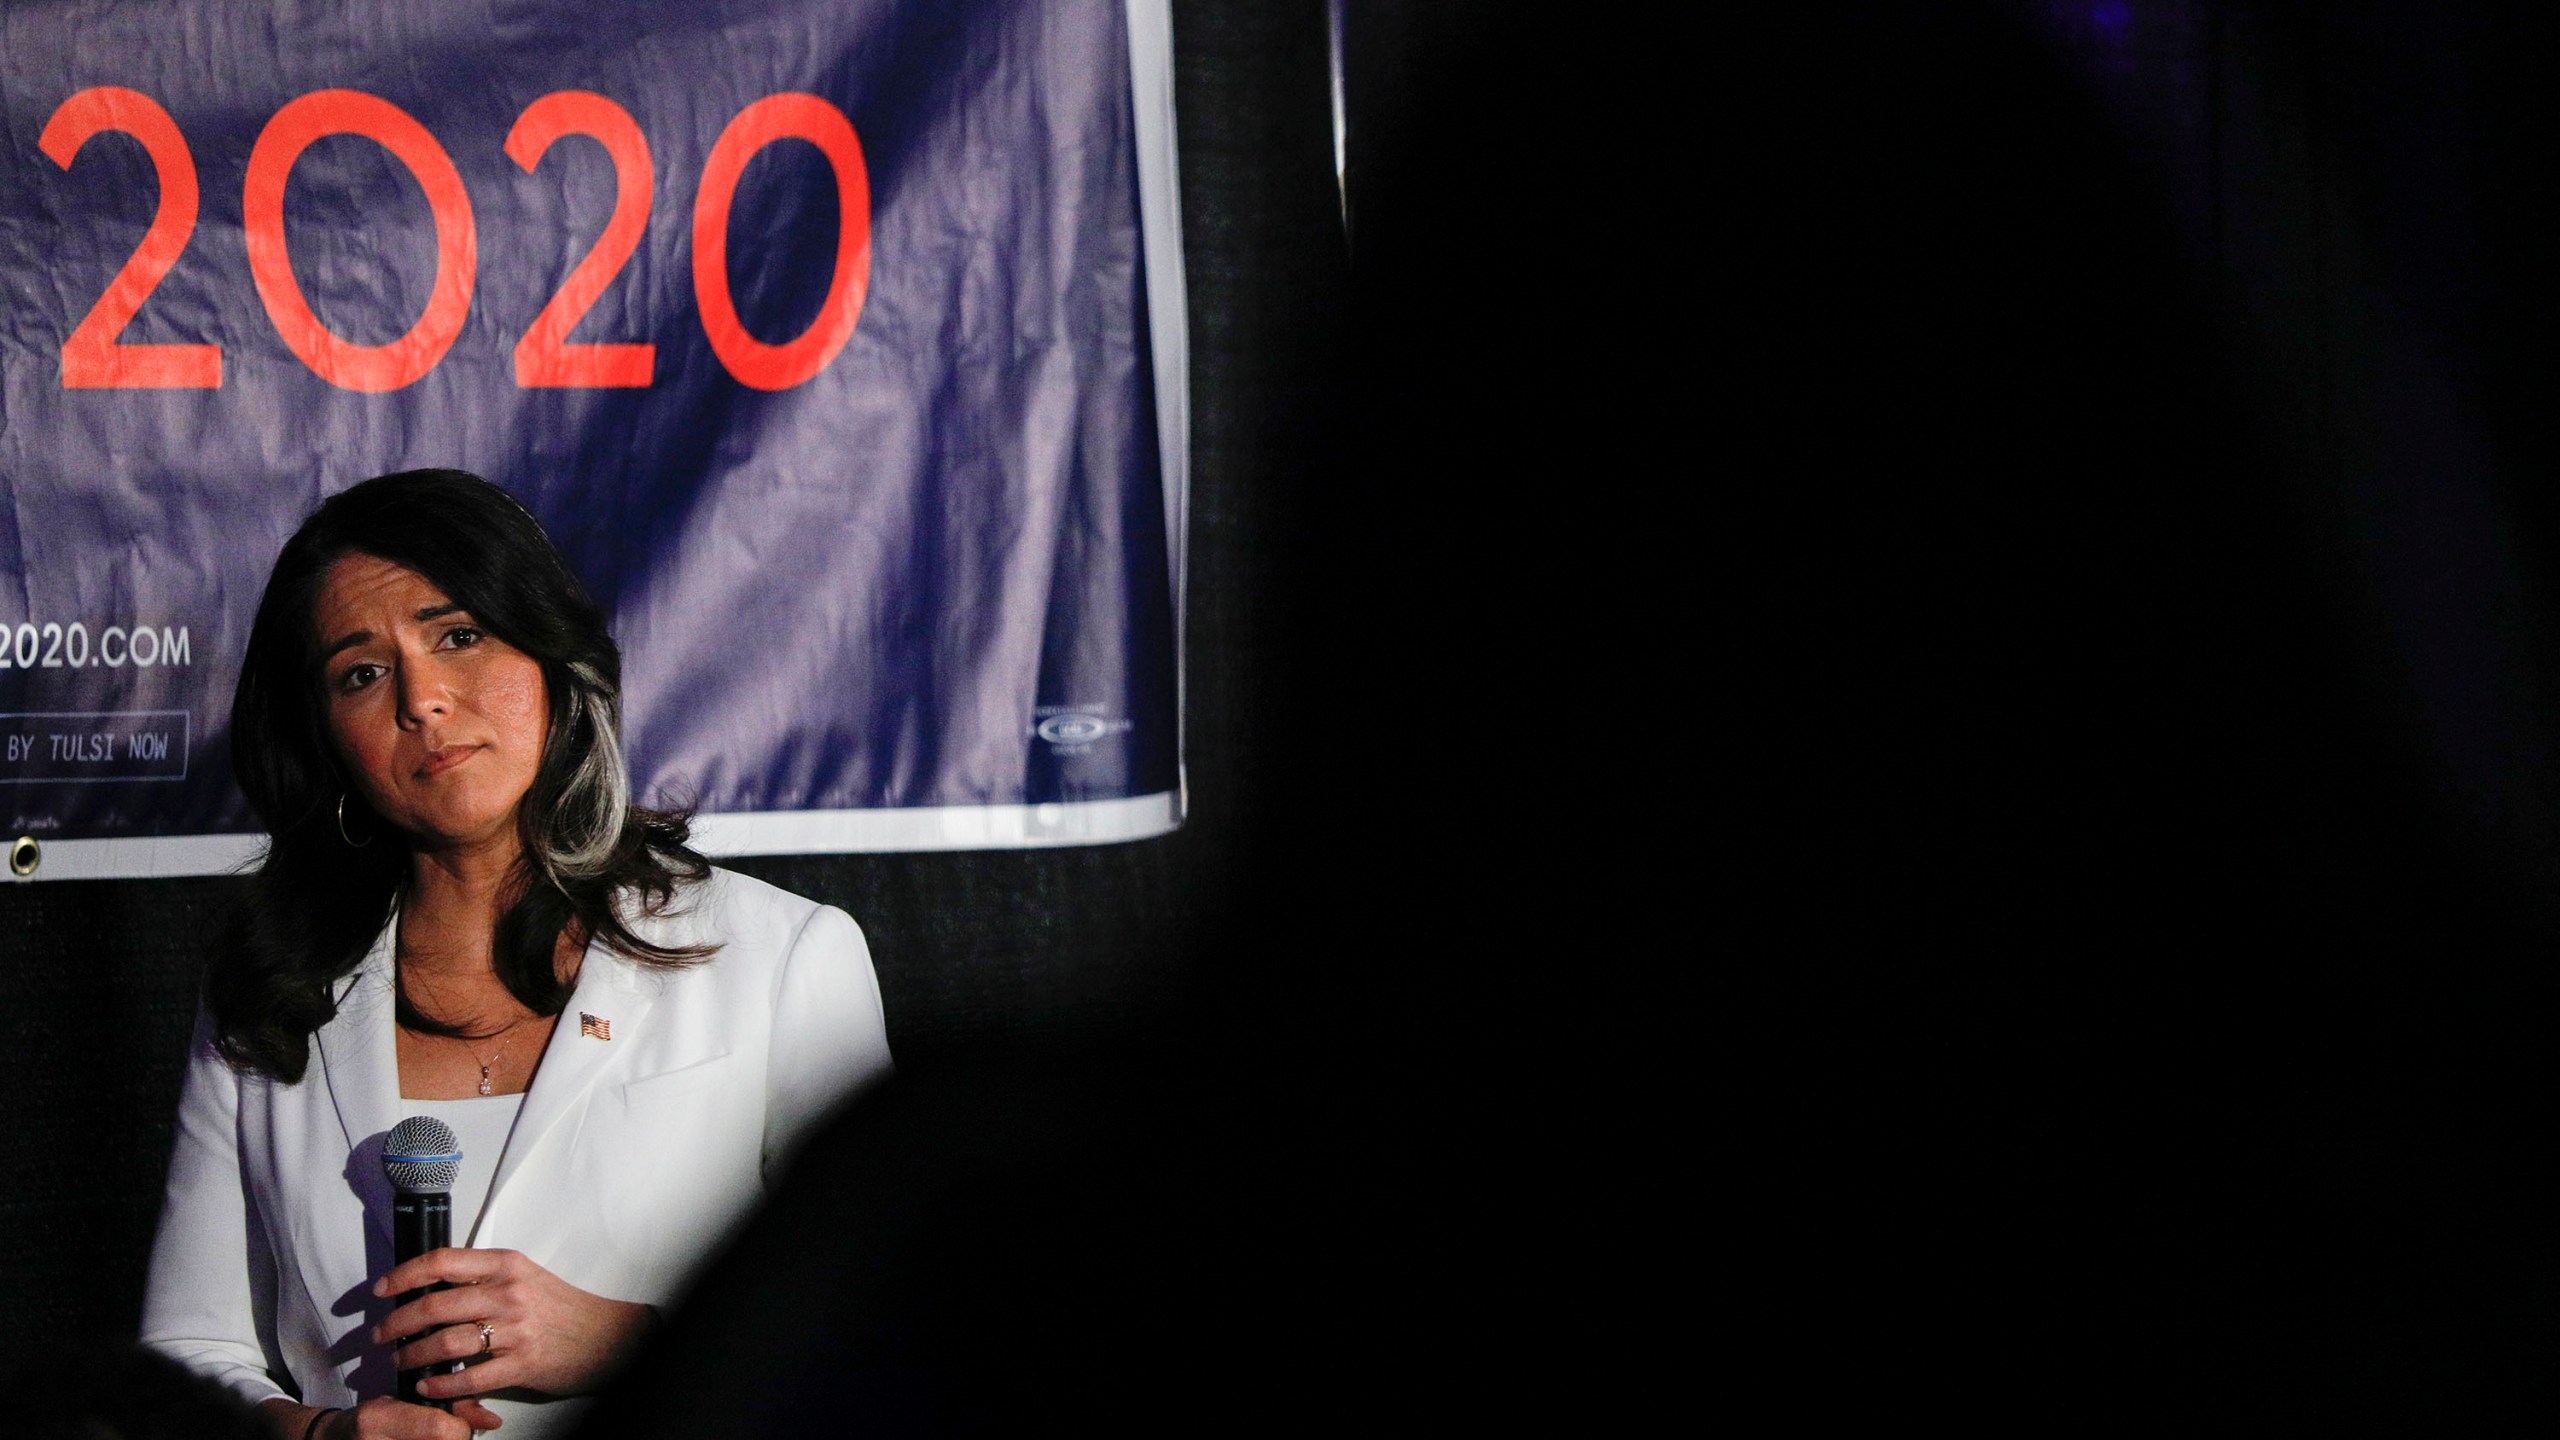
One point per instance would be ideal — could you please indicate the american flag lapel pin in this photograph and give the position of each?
(596, 1026)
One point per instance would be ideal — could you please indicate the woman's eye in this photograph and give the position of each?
(462, 637)
(358, 677)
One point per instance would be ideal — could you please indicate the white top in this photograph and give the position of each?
(482, 1123)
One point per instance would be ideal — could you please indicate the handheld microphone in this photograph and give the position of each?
(421, 1159)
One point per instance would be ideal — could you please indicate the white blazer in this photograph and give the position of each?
(630, 1158)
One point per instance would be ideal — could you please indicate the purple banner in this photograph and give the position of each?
(838, 344)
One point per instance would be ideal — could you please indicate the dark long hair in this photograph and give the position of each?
(589, 855)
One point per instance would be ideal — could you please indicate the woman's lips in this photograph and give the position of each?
(440, 761)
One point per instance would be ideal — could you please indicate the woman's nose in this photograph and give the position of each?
(420, 700)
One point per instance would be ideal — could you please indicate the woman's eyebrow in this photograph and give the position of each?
(424, 614)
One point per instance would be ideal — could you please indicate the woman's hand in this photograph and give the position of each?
(382, 1418)
(540, 1331)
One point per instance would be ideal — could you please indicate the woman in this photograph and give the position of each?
(462, 914)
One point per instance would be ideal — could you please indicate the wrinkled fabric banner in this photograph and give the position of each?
(817, 334)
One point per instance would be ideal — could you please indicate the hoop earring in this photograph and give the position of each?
(352, 842)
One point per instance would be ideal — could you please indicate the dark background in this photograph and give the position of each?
(1870, 727)
(2148, 604)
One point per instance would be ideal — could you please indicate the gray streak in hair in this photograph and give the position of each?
(586, 828)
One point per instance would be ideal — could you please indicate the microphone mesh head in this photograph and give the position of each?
(422, 1156)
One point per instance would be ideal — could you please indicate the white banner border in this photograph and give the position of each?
(770, 832)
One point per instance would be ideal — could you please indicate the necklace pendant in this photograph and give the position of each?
(484, 1079)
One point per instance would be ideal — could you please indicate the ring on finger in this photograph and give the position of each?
(486, 1331)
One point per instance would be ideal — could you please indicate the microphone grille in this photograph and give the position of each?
(422, 1157)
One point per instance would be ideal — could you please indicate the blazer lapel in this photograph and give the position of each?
(357, 1050)
(358, 1059)
(613, 991)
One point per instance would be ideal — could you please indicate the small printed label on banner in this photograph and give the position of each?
(1072, 729)
(72, 746)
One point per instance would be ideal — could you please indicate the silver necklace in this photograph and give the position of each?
(473, 1051)
(493, 1055)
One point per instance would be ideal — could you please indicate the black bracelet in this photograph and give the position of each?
(314, 1427)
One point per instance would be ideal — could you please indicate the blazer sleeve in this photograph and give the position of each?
(830, 1041)
(210, 1300)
